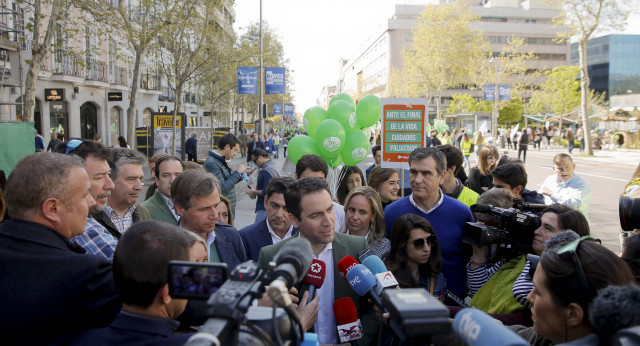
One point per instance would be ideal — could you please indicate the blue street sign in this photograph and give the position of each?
(288, 109)
(489, 92)
(504, 92)
(277, 108)
(274, 80)
(248, 80)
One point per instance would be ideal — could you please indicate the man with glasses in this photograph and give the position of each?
(566, 187)
(448, 216)
(122, 209)
(96, 239)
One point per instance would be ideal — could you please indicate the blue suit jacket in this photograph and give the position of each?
(133, 329)
(229, 245)
(255, 237)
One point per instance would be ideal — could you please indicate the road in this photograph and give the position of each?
(607, 173)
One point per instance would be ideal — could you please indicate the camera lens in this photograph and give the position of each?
(629, 212)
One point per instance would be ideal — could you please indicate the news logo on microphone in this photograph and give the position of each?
(351, 331)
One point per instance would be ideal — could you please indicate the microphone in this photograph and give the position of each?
(361, 279)
(292, 262)
(613, 309)
(346, 314)
(345, 264)
(477, 328)
(384, 278)
(315, 277)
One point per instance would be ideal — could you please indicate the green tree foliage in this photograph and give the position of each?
(560, 94)
(465, 103)
(512, 111)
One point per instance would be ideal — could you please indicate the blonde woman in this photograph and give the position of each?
(364, 218)
(480, 179)
(478, 142)
(197, 248)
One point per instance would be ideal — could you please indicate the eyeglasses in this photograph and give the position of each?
(569, 252)
(418, 243)
(73, 144)
(489, 157)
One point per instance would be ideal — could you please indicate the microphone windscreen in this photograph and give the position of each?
(615, 308)
(316, 273)
(361, 279)
(345, 311)
(297, 252)
(561, 238)
(477, 328)
(375, 264)
(345, 264)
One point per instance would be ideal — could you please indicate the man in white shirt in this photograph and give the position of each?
(276, 227)
(311, 210)
(566, 187)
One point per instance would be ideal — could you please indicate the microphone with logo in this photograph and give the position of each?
(477, 328)
(345, 264)
(361, 279)
(384, 278)
(315, 277)
(349, 326)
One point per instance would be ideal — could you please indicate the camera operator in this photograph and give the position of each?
(501, 288)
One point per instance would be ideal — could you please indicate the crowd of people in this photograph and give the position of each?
(85, 261)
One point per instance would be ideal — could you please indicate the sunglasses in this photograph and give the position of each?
(568, 252)
(418, 243)
(73, 144)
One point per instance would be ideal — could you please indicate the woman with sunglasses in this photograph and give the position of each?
(480, 179)
(415, 259)
(567, 278)
(364, 217)
(385, 181)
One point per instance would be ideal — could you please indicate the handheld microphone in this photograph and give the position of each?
(345, 264)
(477, 328)
(361, 279)
(292, 262)
(346, 314)
(384, 278)
(315, 277)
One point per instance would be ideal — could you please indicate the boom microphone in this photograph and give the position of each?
(363, 282)
(315, 277)
(345, 264)
(346, 314)
(292, 262)
(613, 309)
(384, 278)
(477, 328)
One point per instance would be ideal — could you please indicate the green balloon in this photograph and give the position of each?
(330, 139)
(342, 97)
(312, 118)
(301, 145)
(355, 149)
(334, 163)
(368, 110)
(345, 114)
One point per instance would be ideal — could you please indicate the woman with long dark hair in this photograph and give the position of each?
(352, 177)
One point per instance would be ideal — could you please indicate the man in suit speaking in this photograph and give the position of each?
(310, 210)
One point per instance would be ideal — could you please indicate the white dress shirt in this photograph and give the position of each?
(326, 326)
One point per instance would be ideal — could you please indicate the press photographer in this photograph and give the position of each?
(497, 280)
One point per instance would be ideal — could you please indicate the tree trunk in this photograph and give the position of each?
(133, 103)
(40, 50)
(584, 93)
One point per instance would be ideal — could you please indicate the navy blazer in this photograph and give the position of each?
(51, 289)
(133, 329)
(229, 245)
(255, 237)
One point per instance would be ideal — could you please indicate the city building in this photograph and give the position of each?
(369, 71)
(613, 62)
(84, 86)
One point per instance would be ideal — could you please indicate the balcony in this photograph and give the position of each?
(118, 75)
(66, 68)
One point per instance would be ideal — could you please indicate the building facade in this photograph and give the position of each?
(369, 71)
(613, 62)
(84, 86)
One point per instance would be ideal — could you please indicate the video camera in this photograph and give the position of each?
(516, 231)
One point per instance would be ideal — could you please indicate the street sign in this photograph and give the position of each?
(277, 108)
(274, 80)
(504, 92)
(288, 109)
(404, 122)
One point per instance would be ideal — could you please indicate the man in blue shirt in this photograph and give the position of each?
(268, 170)
(448, 216)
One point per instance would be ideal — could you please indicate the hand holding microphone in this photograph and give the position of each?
(315, 277)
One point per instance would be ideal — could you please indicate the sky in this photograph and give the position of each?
(316, 34)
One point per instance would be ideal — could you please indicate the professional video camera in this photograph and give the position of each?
(232, 319)
(629, 213)
(516, 231)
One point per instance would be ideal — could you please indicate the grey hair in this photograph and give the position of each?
(193, 183)
(37, 178)
(123, 156)
(437, 155)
